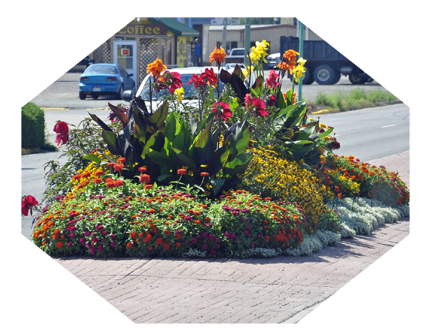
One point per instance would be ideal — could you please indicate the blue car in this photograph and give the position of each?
(105, 79)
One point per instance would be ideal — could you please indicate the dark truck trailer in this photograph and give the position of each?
(324, 64)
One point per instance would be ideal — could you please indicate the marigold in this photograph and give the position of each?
(145, 178)
(182, 171)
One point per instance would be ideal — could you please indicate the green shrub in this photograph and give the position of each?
(32, 126)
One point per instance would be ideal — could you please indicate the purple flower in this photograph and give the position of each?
(112, 244)
(194, 240)
(204, 247)
(188, 218)
(197, 236)
(252, 245)
(213, 252)
(225, 208)
(45, 208)
(87, 234)
(72, 235)
(246, 211)
(70, 243)
(211, 237)
(100, 248)
(227, 234)
(204, 235)
(92, 250)
(95, 239)
(217, 246)
(179, 231)
(235, 212)
(104, 232)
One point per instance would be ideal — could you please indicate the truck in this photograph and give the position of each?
(237, 55)
(324, 64)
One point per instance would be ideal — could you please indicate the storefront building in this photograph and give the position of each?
(143, 40)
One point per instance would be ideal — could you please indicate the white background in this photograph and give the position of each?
(43, 39)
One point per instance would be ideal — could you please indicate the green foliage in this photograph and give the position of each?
(83, 140)
(357, 98)
(32, 126)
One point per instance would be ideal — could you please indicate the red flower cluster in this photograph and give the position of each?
(26, 203)
(257, 104)
(62, 131)
(169, 80)
(145, 178)
(222, 109)
(206, 78)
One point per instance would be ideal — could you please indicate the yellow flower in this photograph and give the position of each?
(179, 94)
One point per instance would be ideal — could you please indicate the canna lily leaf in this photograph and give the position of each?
(92, 158)
(100, 122)
(118, 112)
(113, 145)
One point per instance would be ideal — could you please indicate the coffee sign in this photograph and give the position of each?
(144, 29)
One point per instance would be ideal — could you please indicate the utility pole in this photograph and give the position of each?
(247, 40)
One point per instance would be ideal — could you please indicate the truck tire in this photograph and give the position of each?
(326, 75)
(357, 79)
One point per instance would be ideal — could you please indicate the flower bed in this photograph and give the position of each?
(245, 173)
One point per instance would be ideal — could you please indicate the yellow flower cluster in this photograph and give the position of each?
(259, 51)
(290, 181)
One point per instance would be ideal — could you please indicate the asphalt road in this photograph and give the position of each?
(63, 93)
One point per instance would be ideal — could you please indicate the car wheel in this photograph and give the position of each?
(82, 96)
(119, 94)
(326, 75)
(94, 96)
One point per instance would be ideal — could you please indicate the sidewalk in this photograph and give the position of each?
(276, 290)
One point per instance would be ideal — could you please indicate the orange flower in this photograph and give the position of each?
(218, 55)
(99, 173)
(142, 169)
(178, 245)
(204, 174)
(145, 178)
(159, 240)
(156, 68)
(182, 171)
(97, 180)
(132, 234)
(130, 245)
(59, 244)
(197, 222)
(118, 167)
(121, 160)
(148, 186)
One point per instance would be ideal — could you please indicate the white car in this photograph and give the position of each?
(190, 92)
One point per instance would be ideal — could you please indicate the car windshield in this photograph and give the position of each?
(190, 92)
(100, 69)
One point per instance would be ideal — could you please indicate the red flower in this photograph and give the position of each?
(62, 131)
(170, 80)
(222, 109)
(121, 160)
(273, 80)
(26, 203)
(204, 174)
(148, 186)
(182, 171)
(260, 106)
(142, 169)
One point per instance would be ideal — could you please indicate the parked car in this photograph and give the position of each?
(272, 61)
(191, 95)
(105, 79)
(190, 92)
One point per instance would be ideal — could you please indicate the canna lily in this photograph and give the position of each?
(156, 68)
(222, 109)
(27, 203)
(218, 55)
(169, 80)
(62, 131)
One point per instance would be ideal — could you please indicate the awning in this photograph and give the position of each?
(179, 29)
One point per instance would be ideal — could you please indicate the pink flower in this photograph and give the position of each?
(62, 131)
(222, 109)
(273, 80)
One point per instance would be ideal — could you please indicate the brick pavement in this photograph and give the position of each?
(254, 290)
